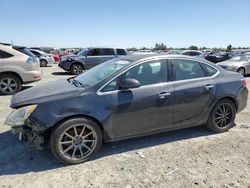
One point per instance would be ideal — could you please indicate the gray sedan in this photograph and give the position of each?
(239, 64)
(123, 98)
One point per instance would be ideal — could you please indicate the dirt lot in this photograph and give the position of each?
(193, 157)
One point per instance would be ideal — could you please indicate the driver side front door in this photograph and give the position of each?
(92, 58)
(147, 108)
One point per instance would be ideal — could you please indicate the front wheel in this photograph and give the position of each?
(241, 70)
(75, 140)
(222, 116)
(76, 69)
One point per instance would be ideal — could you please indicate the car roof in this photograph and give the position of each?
(142, 57)
(12, 49)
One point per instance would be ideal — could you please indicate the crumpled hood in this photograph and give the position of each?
(55, 90)
(229, 63)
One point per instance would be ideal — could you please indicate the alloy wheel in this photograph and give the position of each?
(43, 63)
(223, 116)
(8, 85)
(77, 142)
(77, 69)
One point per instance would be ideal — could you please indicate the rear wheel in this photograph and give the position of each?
(43, 63)
(9, 84)
(222, 116)
(76, 69)
(241, 70)
(75, 140)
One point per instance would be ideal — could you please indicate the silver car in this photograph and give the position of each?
(239, 64)
(43, 57)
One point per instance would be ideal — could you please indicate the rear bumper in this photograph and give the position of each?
(31, 76)
(242, 97)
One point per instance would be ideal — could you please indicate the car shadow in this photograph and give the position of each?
(61, 73)
(19, 158)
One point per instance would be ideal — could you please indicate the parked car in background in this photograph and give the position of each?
(145, 52)
(239, 64)
(64, 52)
(194, 53)
(219, 56)
(174, 52)
(246, 53)
(88, 58)
(124, 98)
(18, 66)
(207, 51)
(43, 57)
(56, 57)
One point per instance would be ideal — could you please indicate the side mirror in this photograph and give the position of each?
(129, 83)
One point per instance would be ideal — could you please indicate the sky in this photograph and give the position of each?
(125, 23)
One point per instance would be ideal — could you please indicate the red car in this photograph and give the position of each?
(56, 57)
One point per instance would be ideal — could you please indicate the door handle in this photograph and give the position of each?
(208, 87)
(164, 95)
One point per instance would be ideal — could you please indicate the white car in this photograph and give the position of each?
(194, 53)
(43, 57)
(18, 66)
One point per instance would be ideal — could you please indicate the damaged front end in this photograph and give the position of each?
(29, 133)
(28, 130)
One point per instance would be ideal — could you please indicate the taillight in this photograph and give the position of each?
(30, 60)
(244, 82)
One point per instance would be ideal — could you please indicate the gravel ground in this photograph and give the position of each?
(193, 157)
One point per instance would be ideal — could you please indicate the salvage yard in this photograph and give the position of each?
(193, 157)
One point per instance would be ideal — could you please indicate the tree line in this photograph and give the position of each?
(163, 47)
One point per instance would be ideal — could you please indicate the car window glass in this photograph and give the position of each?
(24, 51)
(210, 70)
(152, 72)
(121, 52)
(194, 53)
(187, 69)
(113, 85)
(4, 54)
(107, 51)
(34, 52)
(94, 52)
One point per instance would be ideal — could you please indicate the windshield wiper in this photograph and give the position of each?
(75, 82)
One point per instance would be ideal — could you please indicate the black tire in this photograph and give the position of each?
(241, 70)
(43, 63)
(227, 121)
(77, 69)
(58, 137)
(9, 84)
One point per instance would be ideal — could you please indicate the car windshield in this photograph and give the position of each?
(100, 72)
(81, 52)
(239, 58)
